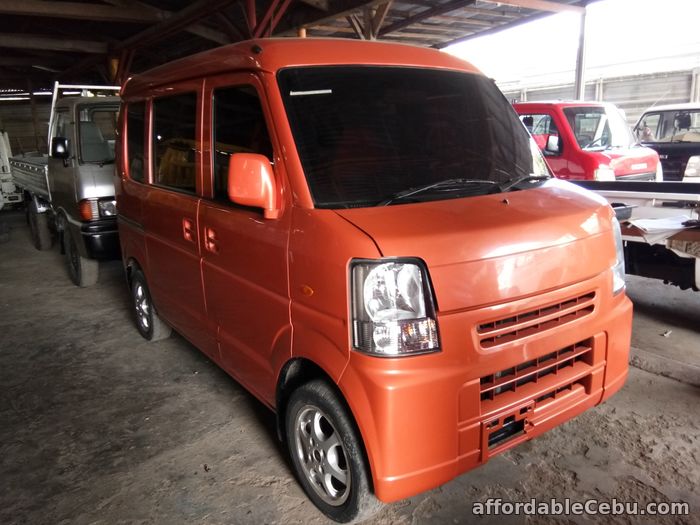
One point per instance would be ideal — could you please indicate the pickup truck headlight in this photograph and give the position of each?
(692, 169)
(393, 312)
(91, 209)
(618, 270)
(604, 173)
(108, 208)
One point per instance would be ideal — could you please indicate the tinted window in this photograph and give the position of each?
(174, 142)
(135, 132)
(239, 127)
(366, 133)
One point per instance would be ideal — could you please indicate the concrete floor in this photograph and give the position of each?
(98, 426)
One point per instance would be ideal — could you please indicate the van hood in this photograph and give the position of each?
(493, 248)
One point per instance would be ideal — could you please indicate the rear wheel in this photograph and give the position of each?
(327, 454)
(148, 322)
(39, 227)
(81, 270)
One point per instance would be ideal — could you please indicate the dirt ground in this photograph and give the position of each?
(97, 426)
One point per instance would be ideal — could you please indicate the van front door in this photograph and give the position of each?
(244, 256)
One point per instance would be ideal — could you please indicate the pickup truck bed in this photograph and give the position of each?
(674, 258)
(30, 173)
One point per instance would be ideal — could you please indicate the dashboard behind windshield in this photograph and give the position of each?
(366, 133)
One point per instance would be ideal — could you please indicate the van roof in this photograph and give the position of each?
(272, 54)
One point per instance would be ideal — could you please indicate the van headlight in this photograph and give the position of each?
(604, 172)
(618, 270)
(692, 169)
(393, 312)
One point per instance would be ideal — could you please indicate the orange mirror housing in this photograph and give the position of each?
(251, 182)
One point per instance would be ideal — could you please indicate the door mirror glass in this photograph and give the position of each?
(59, 148)
(251, 182)
(552, 147)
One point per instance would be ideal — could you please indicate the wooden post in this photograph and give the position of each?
(32, 101)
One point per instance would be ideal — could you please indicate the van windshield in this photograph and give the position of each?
(366, 134)
(599, 127)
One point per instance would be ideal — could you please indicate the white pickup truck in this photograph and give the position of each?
(667, 247)
(70, 192)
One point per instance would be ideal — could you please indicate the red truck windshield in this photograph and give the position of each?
(365, 133)
(599, 127)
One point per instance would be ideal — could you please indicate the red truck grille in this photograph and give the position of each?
(536, 370)
(531, 322)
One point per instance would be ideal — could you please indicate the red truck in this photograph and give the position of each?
(588, 141)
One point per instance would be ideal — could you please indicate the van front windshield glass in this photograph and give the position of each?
(367, 134)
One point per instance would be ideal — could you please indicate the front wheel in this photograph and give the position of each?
(81, 270)
(327, 454)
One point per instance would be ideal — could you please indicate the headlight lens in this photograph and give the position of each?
(618, 270)
(692, 169)
(393, 309)
(107, 208)
(604, 173)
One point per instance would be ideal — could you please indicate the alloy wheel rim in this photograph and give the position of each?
(322, 456)
(143, 307)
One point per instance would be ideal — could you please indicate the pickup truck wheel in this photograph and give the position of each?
(39, 227)
(81, 270)
(327, 454)
(148, 322)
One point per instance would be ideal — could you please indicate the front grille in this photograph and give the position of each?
(674, 168)
(523, 324)
(533, 371)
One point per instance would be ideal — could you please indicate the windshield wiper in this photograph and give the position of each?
(458, 183)
(505, 186)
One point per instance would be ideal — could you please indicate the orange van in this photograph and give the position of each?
(365, 236)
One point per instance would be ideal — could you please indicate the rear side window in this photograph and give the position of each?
(239, 127)
(174, 142)
(135, 132)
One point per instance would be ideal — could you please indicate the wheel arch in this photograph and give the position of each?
(298, 371)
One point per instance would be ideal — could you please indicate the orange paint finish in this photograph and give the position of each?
(522, 286)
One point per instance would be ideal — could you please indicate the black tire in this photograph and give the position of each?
(148, 322)
(334, 431)
(39, 228)
(81, 270)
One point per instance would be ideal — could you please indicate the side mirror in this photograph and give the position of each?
(552, 146)
(59, 148)
(251, 182)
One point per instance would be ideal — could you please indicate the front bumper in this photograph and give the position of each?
(100, 238)
(427, 419)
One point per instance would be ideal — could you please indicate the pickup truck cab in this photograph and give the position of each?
(70, 192)
(588, 141)
(364, 235)
(673, 131)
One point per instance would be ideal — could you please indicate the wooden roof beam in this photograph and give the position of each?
(23, 41)
(424, 15)
(161, 14)
(77, 11)
(540, 5)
